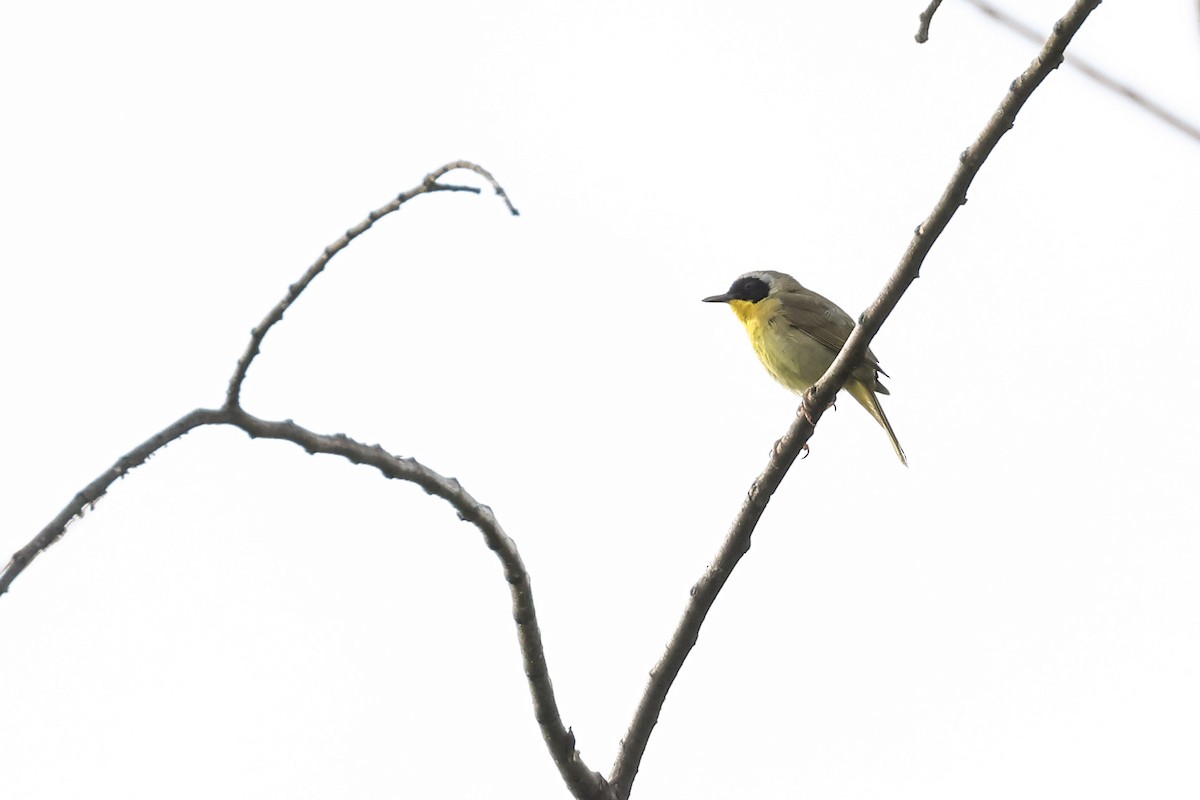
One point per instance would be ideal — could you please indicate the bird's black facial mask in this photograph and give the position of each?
(752, 289)
(749, 289)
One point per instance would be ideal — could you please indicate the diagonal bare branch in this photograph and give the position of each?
(87, 497)
(954, 196)
(818, 398)
(1101, 77)
(430, 184)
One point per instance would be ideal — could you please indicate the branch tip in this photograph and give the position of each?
(259, 332)
(924, 19)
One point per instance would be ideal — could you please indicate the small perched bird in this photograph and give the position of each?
(797, 333)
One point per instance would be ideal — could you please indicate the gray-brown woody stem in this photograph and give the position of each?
(818, 398)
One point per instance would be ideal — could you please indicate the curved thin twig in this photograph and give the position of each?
(87, 497)
(430, 184)
(582, 782)
(818, 398)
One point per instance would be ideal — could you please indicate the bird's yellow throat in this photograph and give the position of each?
(746, 311)
(753, 316)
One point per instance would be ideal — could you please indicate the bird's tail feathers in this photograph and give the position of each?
(867, 399)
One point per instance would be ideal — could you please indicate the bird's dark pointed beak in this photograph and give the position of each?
(718, 298)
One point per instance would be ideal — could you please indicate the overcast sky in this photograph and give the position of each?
(1015, 614)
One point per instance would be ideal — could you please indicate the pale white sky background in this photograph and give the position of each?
(1016, 615)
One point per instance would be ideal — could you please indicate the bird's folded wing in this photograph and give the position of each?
(817, 317)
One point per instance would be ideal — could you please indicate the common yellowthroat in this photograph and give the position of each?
(797, 333)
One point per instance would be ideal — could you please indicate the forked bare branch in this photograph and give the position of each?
(559, 739)
(88, 496)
